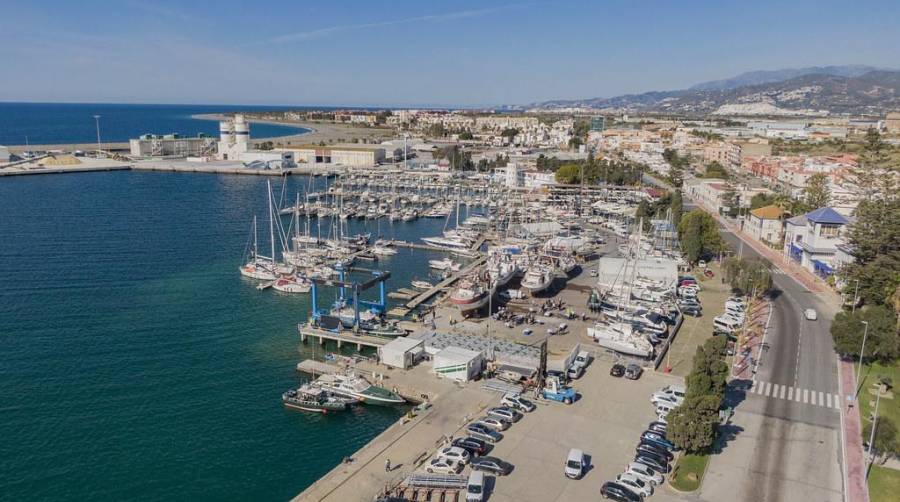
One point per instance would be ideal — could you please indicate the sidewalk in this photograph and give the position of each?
(751, 342)
(856, 489)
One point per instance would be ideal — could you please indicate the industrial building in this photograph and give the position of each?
(345, 155)
(172, 145)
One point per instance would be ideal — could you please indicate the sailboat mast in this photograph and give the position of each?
(271, 223)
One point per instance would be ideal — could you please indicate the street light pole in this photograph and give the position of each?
(97, 121)
(874, 426)
(856, 296)
(862, 352)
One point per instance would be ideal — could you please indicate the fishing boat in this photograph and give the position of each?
(445, 264)
(315, 399)
(423, 285)
(354, 386)
(292, 284)
(537, 279)
(621, 337)
(470, 295)
(502, 271)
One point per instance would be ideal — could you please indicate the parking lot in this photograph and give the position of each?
(606, 423)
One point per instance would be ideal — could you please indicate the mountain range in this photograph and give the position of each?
(828, 90)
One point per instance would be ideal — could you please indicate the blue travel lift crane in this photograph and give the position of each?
(349, 294)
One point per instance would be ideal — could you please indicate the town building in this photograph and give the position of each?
(172, 145)
(812, 240)
(765, 225)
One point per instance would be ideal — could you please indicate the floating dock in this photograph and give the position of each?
(415, 302)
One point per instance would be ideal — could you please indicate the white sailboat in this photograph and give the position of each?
(621, 337)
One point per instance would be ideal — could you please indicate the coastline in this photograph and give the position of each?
(317, 132)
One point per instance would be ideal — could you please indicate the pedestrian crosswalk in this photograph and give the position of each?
(788, 393)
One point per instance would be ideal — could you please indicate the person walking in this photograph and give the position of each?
(387, 465)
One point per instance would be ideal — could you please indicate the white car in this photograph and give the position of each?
(644, 473)
(810, 314)
(517, 402)
(443, 466)
(658, 398)
(635, 484)
(455, 454)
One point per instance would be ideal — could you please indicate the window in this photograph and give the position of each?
(829, 230)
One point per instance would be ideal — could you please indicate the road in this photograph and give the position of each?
(785, 438)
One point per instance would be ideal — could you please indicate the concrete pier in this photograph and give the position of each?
(341, 337)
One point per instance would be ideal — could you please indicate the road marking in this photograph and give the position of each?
(828, 399)
(790, 395)
(768, 388)
(781, 395)
(805, 396)
(753, 387)
(821, 398)
(797, 395)
(837, 401)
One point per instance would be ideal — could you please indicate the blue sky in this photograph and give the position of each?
(409, 53)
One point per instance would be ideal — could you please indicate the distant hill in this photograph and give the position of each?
(838, 92)
(771, 76)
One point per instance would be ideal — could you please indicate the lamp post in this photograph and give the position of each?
(97, 121)
(862, 352)
(874, 426)
(856, 296)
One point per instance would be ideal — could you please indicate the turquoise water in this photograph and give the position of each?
(65, 123)
(135, 362)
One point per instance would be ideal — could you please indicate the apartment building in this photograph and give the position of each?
(812, 240)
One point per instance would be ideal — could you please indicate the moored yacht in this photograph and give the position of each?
(355, 386)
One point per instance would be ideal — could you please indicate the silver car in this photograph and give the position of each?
(505, 413)
(498, 424)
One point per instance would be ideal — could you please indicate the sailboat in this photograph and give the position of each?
(259, 267)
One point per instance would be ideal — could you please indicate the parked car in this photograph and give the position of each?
(617, 492)
(617, 370)
(652, 449)
(472, 445)
(475, 487)
(644, 472)
(443, 466)
(518, 402)
(485, 434)
(810, 314)
(652, 436)
(492, 465)
(692, 311)
(633, 371)
(505, 413)
(656, 399)
(498, 424)
(454, 453)
(635, 484)
(575, 464)
(653, 462)
(660, 427)
(575, 372)
(583, 359)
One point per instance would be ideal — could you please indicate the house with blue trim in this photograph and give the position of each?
(812, 240)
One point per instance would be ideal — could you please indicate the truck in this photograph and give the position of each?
(556, 391)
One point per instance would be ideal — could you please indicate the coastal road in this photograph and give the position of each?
(784, 441)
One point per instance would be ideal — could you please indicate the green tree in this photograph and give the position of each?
(709, 373)
(761, 199)
(885, 436)
(716, 170)
(748, 275)
(436, 130)
(510, 132)
(816, 194)
(466, 135)
(568, 174)
(692, 426)
(882, 341)
(699, 235)
(677, 206)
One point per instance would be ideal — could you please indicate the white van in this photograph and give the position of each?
(475, 487)
(735, 306)
(582, 359)
(726, 324)
(663, 408)
(575, 464)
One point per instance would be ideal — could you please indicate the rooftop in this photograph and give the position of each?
(826, 215)
(771, 212)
